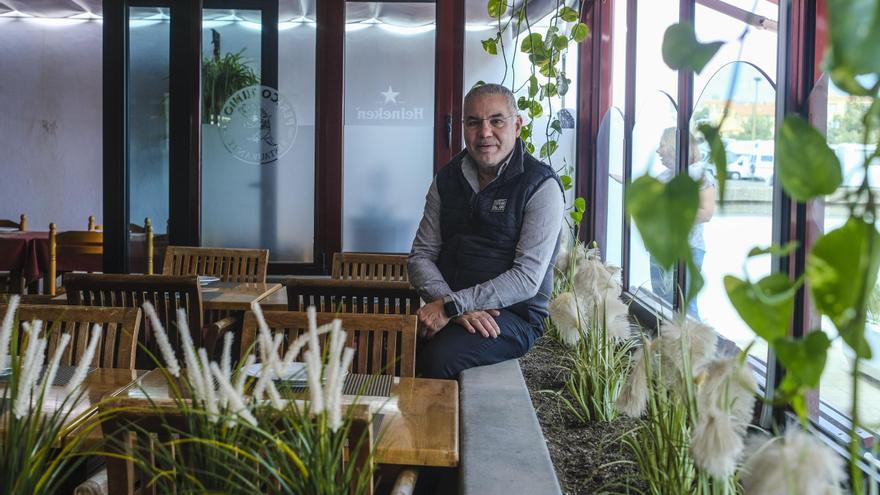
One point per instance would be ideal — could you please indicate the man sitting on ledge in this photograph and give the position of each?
(484, 249)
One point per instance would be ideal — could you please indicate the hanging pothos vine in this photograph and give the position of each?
(546, 78)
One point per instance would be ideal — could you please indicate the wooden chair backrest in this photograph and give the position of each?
(383, 344)
(370, 266)
(167, 294)
(147, 230)
(351, 296)
(92, 226)
(134, 426)
(73, 243)
(229, 265)
(21, 225)
(118, 337)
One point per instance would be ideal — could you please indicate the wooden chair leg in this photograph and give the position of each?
(406, 481)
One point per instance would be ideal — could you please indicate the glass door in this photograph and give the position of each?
(257, 160)
(149, 49)
(389, 122)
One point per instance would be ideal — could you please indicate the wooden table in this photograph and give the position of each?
(233, 296)
(99, 384)
(277, 301)
(419, 421)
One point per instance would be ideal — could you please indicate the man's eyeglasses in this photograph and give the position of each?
(497, 122)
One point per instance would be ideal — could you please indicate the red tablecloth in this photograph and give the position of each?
(17, 253)
(28, 253)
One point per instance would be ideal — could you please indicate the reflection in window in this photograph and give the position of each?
(654, 149)
(844, 131)
(610, 141)
(741, 65)
(148, 121)
(746, 219)
(609, 149)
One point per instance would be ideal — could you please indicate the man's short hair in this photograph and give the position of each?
(493, 89)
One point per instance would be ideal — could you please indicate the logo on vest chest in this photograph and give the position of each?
(499, 205)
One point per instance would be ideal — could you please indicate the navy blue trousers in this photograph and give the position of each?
(454, 349)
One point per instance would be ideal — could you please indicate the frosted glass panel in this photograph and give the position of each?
(149, 49)
(389, 130)
(258, 173)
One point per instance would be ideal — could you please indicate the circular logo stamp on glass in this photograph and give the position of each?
(258, 125)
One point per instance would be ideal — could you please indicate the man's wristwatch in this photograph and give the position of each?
(449, 307)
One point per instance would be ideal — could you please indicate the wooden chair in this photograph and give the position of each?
(384, 344)
(21, 225)
(370, 266)
(119, 331)
(166, 293)
(72, 243)
(10, 282)
(155, 244)
(136, 425)
(347, 296)
(229, 265)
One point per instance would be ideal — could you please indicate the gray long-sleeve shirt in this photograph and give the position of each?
(537, 241)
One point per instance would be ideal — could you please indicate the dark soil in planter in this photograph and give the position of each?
(588, 458)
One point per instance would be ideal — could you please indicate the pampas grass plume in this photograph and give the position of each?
(564, 313)
(6, 331)
(633, 398)
(79, 374)
(161, 336)
(715, 444)
(796, 464)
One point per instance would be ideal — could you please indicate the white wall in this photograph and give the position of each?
(50, 122)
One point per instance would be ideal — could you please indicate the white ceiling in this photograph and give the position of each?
(402, 14)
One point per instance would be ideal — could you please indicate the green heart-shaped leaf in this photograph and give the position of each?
(568, 14)
(560, 42)
(785, 250)
(804, 358)
(806, 166)
(525, 133)
(768, 319)
(533, 86)
(490, 46)
(580, 204)
(530, 42)
(535, 109)
(664, 215)
(695, 281)
(566, 181)
(854, 29)
(496, 8)
(842, 270)
(717, 155)
(682, 51)
(579, 32)
(548, 148)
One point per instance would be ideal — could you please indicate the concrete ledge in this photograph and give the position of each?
(503, 450)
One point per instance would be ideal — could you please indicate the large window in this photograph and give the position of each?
(842, 122)
(743, 70)
(654, 142)
(610, 141)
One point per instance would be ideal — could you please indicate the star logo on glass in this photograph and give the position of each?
(390, 95)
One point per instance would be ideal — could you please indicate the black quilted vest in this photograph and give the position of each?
(480, 231)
